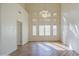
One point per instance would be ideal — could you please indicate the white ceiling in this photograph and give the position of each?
(34, 7)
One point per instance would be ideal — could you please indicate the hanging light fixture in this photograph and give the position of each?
(45, 14)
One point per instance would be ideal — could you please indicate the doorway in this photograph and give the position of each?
(19, 33)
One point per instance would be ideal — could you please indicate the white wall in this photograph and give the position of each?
(70, 25)
(9, 27)
(0, 29)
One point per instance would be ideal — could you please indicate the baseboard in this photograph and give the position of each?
(47, 41)
(8, 54)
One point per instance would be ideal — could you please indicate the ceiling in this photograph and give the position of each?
(35, 7)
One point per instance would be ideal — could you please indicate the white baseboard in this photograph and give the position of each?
(7, 54)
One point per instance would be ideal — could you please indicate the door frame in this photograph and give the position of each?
(19, 40)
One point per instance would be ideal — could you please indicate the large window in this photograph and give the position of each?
(47, 30)
(54, 30)
(34, 30)
(44, 30)
(41, 30)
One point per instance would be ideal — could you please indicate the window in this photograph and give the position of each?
(41, 30)
(47, 30)
(44, 30)
(54, 30)
(34, 30)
